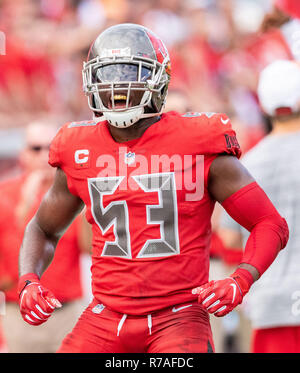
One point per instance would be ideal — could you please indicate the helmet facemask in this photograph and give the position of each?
(125, 88)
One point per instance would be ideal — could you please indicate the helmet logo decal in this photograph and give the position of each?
(120, 52)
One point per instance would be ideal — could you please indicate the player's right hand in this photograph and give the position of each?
(36, 302)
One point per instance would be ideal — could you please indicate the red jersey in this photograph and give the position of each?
(63, 275)
(148, 203)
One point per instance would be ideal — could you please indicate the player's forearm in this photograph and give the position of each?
(252, 270)
(252, 209)
(37, 249)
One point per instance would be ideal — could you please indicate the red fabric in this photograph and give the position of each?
(252, 209)
(291, 7)
(244, 280)
(198, 49)
(229, 255)
(2, 340)
(222, 296)
(63, 274)
(157, 280)
(25, 280)
(216, 246)
(36, 302)
(276, 340)
(182, 329)
(179, 72)
(244, 64)
(24, 67)
(267, 48)
(232, 256)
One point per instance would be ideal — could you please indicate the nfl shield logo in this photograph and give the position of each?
(129, 158)
(98, 308)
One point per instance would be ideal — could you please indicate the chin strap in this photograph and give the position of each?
(123, 119)
(127, 118)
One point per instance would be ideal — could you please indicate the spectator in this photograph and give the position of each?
(20, 198)
(274, 163)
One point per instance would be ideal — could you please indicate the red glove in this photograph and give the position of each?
(36, 302)
(221, 297)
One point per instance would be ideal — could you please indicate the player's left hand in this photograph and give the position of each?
(219, 297)
(222, 296)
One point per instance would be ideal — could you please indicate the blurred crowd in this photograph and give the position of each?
(217, 50)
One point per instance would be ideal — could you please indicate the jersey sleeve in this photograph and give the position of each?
(213, 136)
(59, 154)
(55, 149)
(222, 138)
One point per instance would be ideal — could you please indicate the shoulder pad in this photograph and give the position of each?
(196, 114)
(84, 123)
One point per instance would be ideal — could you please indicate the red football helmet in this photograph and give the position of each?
(127, 74)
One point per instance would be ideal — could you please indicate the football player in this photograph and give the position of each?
(150, 181)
